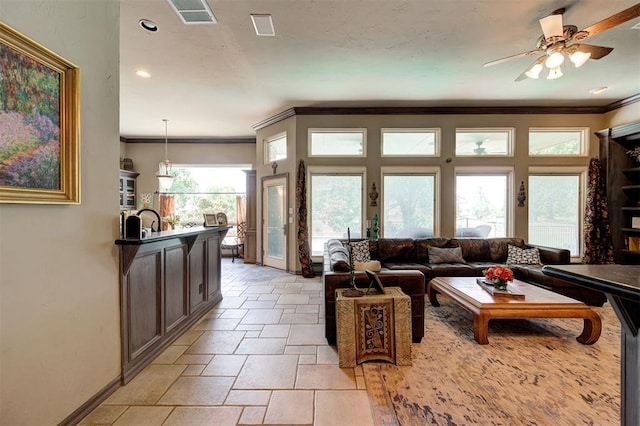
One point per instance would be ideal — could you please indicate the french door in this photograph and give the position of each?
(274, 220)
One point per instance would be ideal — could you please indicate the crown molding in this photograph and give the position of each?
(623, 102)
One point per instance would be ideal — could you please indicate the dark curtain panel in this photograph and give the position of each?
(597, 233)
(303, 230)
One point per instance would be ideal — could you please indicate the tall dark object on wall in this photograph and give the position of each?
(303, 229)
(597, 232)
(622, 178)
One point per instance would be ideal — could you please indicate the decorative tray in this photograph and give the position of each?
(504, 294)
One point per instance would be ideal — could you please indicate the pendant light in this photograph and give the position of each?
(165, 180)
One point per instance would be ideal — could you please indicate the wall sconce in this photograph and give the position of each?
(522, 196)
(373, 195)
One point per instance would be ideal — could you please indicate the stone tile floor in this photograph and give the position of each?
(258, 357)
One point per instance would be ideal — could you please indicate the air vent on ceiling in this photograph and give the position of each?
(193, 11)
(263, 25)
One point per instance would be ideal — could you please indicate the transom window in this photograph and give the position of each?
(484, 142)
(275, 148)
(558, 141)
(337, 142)
(410, 142)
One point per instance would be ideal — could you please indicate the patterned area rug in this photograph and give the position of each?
(532, 372)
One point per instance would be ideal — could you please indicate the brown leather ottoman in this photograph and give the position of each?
(412, 284)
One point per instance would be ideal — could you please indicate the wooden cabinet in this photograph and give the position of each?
(128, 189)
(622, 175)
(167, 283)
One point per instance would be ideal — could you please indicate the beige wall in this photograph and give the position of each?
(298, 126)
(59, 315)
(624, 115)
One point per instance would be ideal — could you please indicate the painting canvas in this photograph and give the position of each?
(39, 128)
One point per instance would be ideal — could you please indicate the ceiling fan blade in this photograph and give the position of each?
(518, 55)
(597, 52)
(552, 26)
(610, 22)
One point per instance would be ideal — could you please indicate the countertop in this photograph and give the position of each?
(167, 235)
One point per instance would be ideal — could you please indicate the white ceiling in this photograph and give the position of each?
(219, 80)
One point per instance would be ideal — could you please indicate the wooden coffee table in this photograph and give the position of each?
(538, 303)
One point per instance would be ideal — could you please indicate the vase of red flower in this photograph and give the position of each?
(498, 276)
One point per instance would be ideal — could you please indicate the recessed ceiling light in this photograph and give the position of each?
(143, 73)
(598, 90)
(148, 25)
(263, 25)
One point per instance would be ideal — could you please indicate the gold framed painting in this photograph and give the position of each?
(39, 123)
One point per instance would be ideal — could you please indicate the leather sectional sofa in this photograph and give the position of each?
(405, 263)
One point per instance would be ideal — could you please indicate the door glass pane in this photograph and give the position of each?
(554, 218)
(275, 222)
(336, 204)
(481, 206)
(408, 206)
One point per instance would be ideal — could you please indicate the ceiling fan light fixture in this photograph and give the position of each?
(554, 73)
(554, 60)
(579, 58)
(534, 71)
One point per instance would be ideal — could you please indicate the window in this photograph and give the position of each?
(275, 148)
(558, 142)
(483, 202)
(337, 142)
(410, 142)
(555, 206)
(206, 189)
(484, 142)
(336, 203)
(409, 202)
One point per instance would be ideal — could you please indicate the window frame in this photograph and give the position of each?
(272, 139)
(335, 171)
(582, 173)
(508, 172)
(360, 130)
(436, 135)
(584, 141)
(434, 171)
(510, 132)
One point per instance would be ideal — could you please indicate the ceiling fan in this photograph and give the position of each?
(559, 41)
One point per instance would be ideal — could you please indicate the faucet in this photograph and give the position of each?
(157, 217)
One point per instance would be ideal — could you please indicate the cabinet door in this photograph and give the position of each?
(197, 275)
(175, 286)
(143, 308)
(213, 268)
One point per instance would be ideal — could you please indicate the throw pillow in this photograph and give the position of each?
(372, 265)
(445, 255)
(520, 256)
(360, 251)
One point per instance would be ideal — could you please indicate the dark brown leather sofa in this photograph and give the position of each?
(401, 258)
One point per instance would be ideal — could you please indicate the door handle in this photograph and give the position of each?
(284, 229)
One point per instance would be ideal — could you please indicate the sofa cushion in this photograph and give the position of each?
(498, 247)
(360, 250)
(454, 270)
(422, 247)
(396, 250)
(445, 255)
(371, 265)
(473, 249)
(517, 255)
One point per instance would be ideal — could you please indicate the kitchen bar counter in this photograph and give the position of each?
(621, 284)
(168, 281)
